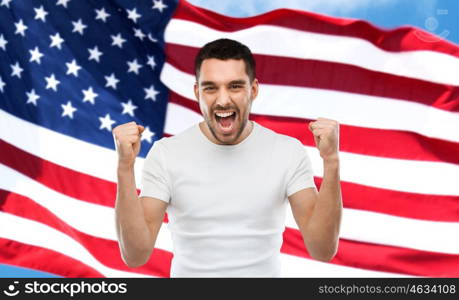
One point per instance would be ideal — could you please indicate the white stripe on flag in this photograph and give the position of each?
(179, 118)
(71, 153)
(293, 266)
(384, 229)
(421, 64)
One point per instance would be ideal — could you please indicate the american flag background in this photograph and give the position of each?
(70, 71)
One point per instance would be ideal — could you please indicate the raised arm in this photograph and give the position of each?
(318, 214)
(138, 220)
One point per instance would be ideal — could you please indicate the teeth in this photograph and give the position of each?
(224, 114)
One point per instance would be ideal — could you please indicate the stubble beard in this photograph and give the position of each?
(212, 129)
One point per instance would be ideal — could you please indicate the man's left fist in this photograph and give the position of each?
(326, 137)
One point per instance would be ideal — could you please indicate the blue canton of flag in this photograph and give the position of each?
(83, 67)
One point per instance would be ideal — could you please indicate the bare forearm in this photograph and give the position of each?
(132, 230)
(324, 225)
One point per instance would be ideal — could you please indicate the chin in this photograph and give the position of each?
(227, 140)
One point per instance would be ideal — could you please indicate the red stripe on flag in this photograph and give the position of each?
(396, 40)
(290, 71)
(74, 184)
(402, 204)
(46, 260)
(105, 251)
(376, 142)
(380, 257)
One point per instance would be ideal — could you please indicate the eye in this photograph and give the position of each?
(236, 86)
(209, 88)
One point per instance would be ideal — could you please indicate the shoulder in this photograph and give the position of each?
(280, 140)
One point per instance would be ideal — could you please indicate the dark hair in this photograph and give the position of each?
(226, 49)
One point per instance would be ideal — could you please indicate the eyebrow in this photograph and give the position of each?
(207, 83)
(238, 81)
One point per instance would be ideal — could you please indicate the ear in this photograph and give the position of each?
(254, 89)
(196, 90)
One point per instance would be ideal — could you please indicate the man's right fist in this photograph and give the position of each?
(127, 141)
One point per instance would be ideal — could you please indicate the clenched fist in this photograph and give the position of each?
(326, 137)
(127, 142)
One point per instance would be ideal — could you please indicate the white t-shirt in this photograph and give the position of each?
(227, 204)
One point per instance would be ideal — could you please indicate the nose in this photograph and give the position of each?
(223, 97)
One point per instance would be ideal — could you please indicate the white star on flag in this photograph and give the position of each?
(52, 82)
(94, 54)
(151, 61)
(133, 15)
(6, 3)
(117, 40)
(68, 110)
(78, 27)
(89, 95)
(17, 70)
(111, 81)
(36, 55)
(56, 41)
(20, 28)
(138, 33)
(32, 97)
(3, 42)
(159, 5)
(134, 66)
(128, 108)
(102, 14)
(73, 68)
(62, 2)
(147, 135)
(106, 122)
(40, 14)
(151, 93)
(2, 84)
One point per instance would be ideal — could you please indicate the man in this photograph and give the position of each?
(225, 181)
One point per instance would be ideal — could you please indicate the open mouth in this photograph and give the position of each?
(226, 121)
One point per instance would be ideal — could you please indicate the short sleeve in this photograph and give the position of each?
(300, 174)
(155, 181)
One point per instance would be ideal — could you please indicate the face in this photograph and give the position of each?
(225, 96)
